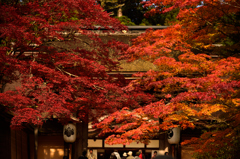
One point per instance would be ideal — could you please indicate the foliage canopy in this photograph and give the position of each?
(196, 83)
(51, 49)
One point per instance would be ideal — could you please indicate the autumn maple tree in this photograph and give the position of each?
(196, 80)
(50, 51)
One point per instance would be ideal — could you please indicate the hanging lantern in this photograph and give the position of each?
(174, 135)
(69, 133)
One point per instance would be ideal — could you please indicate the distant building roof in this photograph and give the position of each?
(138, 27)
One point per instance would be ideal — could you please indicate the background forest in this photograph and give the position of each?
(133, 12)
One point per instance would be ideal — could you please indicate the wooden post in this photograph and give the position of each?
(172, 150)
(161, 137)
(85, 135)
(66, 150)
(178, 153)
(81, 142)
(163, 140)
(35, 142)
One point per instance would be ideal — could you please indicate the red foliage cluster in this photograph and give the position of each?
(192, 88)
(189, 91)
(50, 49)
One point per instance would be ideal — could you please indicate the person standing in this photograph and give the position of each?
(91, 155)
(154, 155)
(83, 156)
(137, 155)
(117, 154)
(130, 156)
(113, 156)
(101, 156)
(142, 156)
(124, 155)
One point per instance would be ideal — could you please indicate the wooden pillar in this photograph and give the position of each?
(5, 139)
(172, 150)
(178, 151)
(66, 150)
(35, 142)
(28, 146)
(175, 151)
(163, 140)
(81, 142)
(161, 137)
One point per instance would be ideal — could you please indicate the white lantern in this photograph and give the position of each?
(174, 135)
(69, 133)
